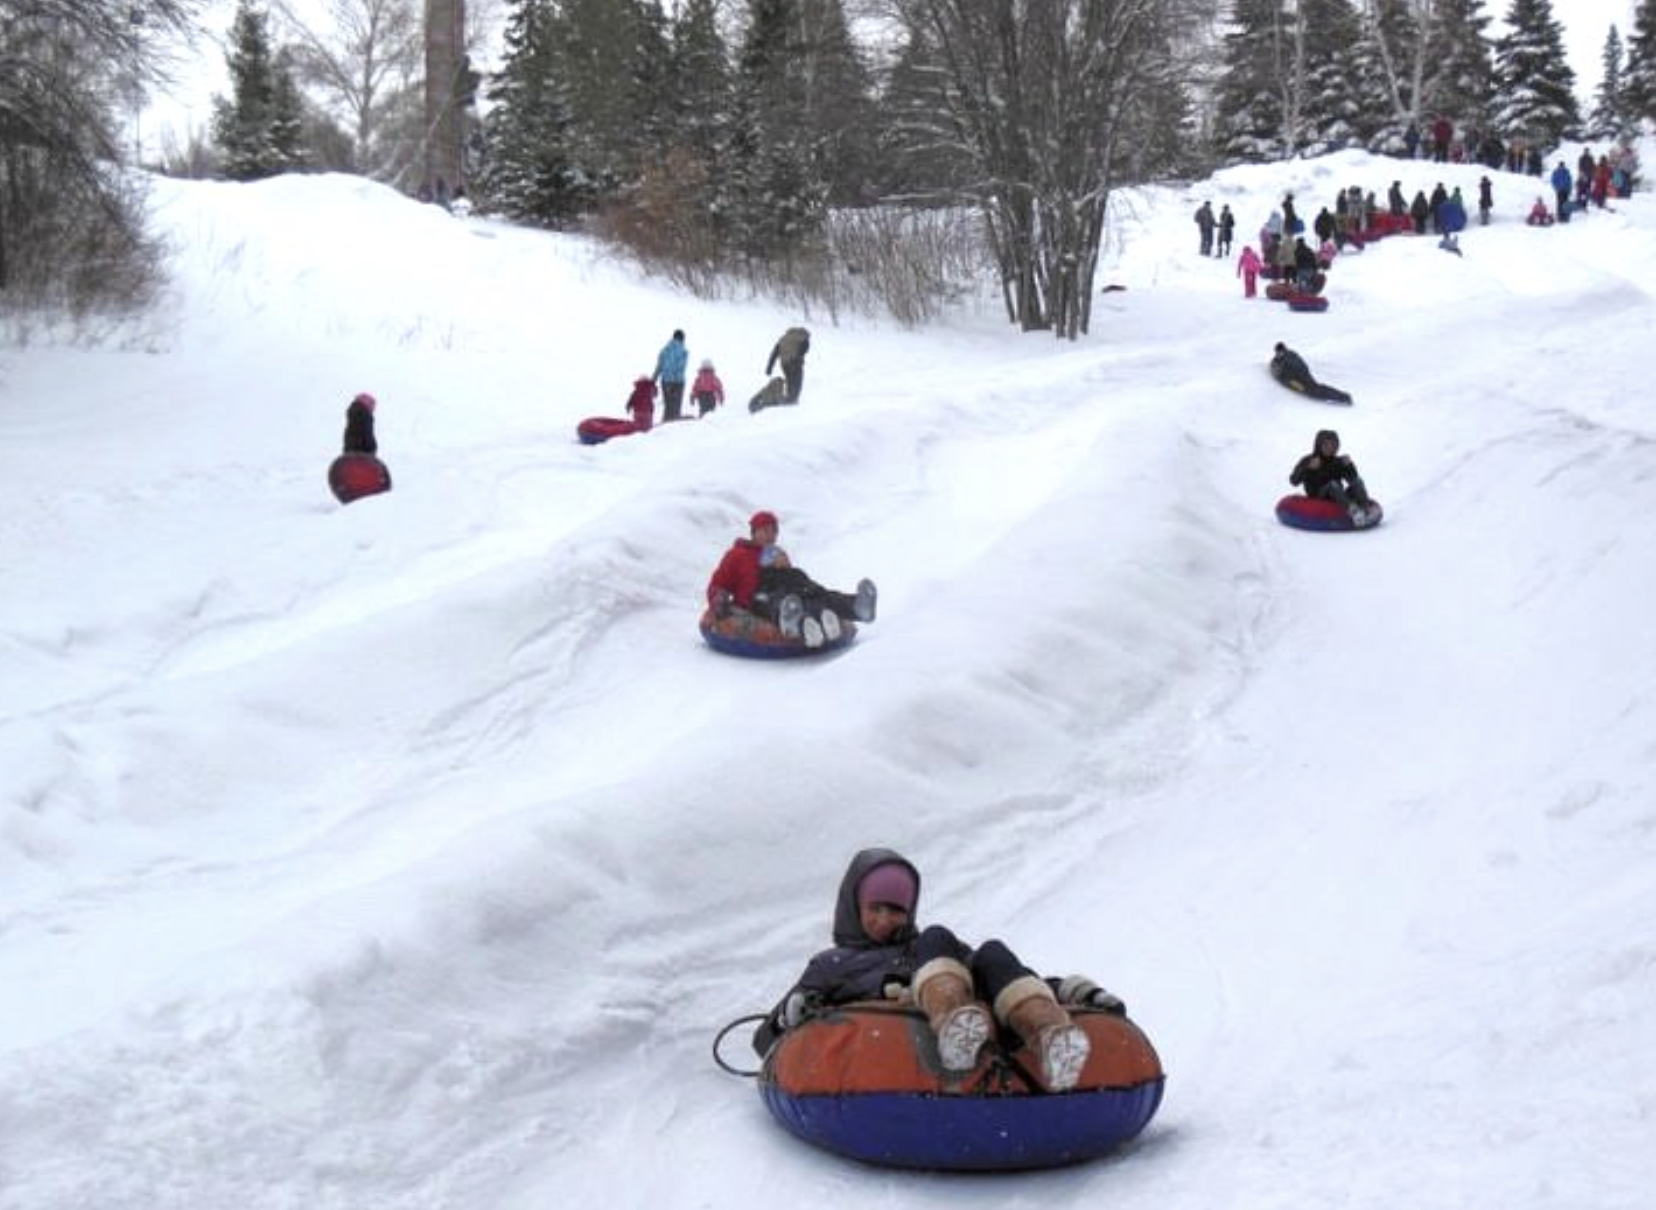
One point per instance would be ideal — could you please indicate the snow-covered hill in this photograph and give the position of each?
(410, 854)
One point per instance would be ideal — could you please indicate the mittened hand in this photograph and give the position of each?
(799, 1007)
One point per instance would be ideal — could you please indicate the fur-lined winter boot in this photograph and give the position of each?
(943, 990)
(1061, 1047)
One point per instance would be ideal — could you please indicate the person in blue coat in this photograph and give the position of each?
(1451, 220)
(671, 364)
(1561, 182)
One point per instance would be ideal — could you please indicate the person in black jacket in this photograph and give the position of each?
(1289, 368)
(789, 351)
(880, 954)
(1327, 474)
(359, 426)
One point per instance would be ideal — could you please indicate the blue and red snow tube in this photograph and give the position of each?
(756, 638)
(864, 1081)
(1310, 512)
(595, 430)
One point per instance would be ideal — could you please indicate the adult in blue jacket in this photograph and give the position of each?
(671, 364)
(1561, 182)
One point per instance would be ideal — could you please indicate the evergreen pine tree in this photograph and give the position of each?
(1534, 84)
(837, 112)
(701, 81)
(258, 130)
(649, 101)
(1388, 64)
(773, 199)
(919, 155)
(1332, 112)
(1461, 74)
(1638, 78)
(1610, 118)
(597, 57)
(1257, 94)
(529, 173)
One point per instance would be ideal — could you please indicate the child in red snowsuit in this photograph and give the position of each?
(641, 403)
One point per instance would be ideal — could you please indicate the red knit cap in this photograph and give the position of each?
(764, 517)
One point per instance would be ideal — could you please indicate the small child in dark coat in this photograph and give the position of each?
(359, 426)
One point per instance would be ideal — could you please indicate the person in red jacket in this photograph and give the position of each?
(756, 575)
(641, 403)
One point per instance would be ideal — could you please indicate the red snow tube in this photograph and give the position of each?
(747, 634)
(1308, 512)
(864, 1081)
(353, 476)
(595, 430)
(1307, 302)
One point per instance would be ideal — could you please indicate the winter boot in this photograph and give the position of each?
(788, 616)
(943, 990)
(811, 631)
(1061, 1047)
(830, 625)
(867, 599)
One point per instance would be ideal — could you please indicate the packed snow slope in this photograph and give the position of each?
(410, 854)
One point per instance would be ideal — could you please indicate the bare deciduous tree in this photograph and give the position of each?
(364, 64)
(71, 221)
(1033, 94)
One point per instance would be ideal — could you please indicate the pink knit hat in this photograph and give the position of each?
(890, 883)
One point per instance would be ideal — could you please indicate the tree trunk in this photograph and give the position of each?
(445, 61)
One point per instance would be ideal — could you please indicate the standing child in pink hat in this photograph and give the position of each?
(1248, 266)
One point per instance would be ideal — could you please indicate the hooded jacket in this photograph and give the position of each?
(1289, 368)
(1336, 467)
(856, 968)
(359, 429)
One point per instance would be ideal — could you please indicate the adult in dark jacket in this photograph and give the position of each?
(1327, 474)
(1305, 265)
(789, 351)
(1394, 200)
(1420, 210)
(1289, 368)
(1205, 223)
(359, 426)
(879, 953)
(756, 575)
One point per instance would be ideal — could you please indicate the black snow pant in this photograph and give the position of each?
(672, 399)
(778, 582)
(994, 967)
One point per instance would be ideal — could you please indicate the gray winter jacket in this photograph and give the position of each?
(855, 968)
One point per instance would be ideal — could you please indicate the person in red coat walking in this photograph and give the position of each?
(641, 403)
